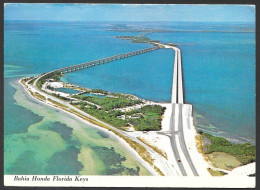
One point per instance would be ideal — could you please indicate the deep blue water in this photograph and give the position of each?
(218, 64)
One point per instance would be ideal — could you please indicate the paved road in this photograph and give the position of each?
(173, 141)
(176, 127)
(182, 142)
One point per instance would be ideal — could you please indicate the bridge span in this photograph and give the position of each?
(105, 60)
(178, 119)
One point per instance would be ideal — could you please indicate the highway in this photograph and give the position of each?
(176, 121)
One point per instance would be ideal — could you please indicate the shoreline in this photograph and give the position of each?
(120, 140)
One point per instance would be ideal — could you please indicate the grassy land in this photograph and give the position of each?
(136, 39)
(24, 80)
(147, 118)
(57, 103)
(53, 75)
(216, 172)
(32, 81)
(109, 103)
(225, 154)
(199, 145)
(140, 40)
(37, 95)
(223, 160)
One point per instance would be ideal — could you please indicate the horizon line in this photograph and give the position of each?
(130, 21)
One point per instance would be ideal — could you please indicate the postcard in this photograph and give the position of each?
(129, 95)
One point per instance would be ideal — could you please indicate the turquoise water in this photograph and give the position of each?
(219, 78)
(11, 110)
(148, 76)
(67, 90)
(94, 95)
(42, 140)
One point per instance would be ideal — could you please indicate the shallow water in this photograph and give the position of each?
(60, 144)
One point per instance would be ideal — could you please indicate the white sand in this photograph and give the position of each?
(189, 131)
(56, 84)
(166, 116)
(162, 143)
(243, 170)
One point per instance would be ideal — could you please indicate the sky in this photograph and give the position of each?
(129, 12)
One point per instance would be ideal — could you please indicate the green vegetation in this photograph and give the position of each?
(57, 103)
(32, 81)
(109, 103)
(24, 80)
(223, 160)
(99, 91)
(58, 96)
(216, 172)
(140, 40)
(53, 75)
(106, 116)
(39, 96)
(147, 118)
(245, 153)
(137, 39)
(150, 119)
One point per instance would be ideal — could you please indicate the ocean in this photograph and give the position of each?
(219, 80)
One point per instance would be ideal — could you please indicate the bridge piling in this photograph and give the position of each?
(104, 60)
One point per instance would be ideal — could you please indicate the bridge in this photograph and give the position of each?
(178, 115)
(104, 60)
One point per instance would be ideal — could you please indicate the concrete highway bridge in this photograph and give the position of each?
(104, 60)
(180, 114)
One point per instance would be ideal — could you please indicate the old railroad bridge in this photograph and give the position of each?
(104, 60)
